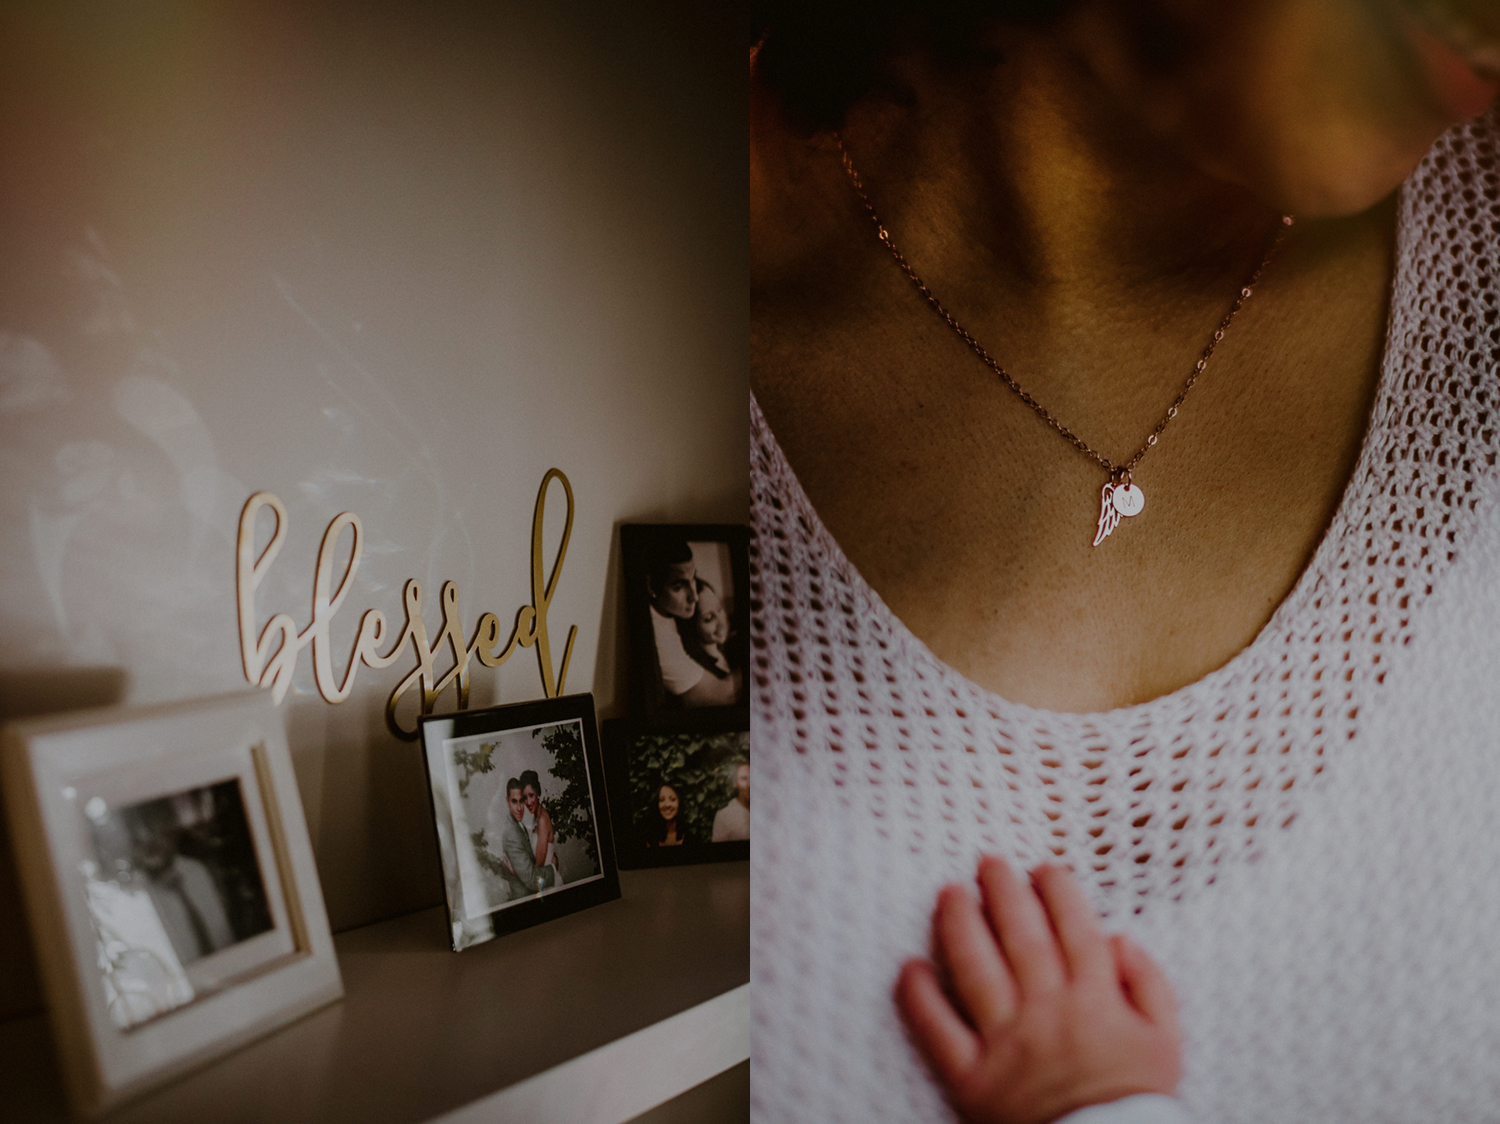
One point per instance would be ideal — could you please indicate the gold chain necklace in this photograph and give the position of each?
(1121, 497)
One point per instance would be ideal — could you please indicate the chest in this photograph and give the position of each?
(1339, 967)
(974, 516)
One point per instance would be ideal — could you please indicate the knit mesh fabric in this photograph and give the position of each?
(1302, 837)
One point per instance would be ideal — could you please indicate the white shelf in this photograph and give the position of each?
(620, 1081)
(593, 1017)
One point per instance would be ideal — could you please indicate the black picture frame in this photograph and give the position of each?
(470, 757)
(721, 562)
(639, 757)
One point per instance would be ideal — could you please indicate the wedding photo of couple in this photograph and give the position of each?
(518, 829)
(524, 823)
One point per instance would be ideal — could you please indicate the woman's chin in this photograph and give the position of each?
(1334, 175)
(1338, 196)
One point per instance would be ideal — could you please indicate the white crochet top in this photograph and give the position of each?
(1308, 838)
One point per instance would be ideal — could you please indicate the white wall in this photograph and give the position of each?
(392, 258)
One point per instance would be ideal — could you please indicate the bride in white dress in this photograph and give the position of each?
(538, 825)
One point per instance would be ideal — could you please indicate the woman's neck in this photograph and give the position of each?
(1022, 175)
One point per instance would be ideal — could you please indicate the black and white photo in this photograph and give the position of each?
(172, 881)
(680, 796)
(685, 592)
(520, 814)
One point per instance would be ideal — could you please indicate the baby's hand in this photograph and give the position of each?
(1047, 1014)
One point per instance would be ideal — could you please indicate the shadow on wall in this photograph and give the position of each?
(390, 259)
(26, 694)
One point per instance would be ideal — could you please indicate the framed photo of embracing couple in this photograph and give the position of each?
(521, 816)
(687, 608)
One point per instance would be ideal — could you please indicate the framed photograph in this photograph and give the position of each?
(521, 815)
(170, 886)
(678, 796)
(686, 594)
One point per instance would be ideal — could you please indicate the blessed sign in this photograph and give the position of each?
(270, 655)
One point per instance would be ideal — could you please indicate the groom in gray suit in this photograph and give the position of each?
(522, 874)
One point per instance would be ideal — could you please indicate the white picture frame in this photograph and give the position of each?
(110, 813)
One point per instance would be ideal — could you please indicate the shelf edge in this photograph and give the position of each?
(630, 1075)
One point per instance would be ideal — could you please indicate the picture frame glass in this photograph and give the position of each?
(681, 796)
(692, 607)
(182, 888)
(491, 821)
(520, 814)
(685, 789)
(686, 590)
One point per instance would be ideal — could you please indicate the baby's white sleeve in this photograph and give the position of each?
(1146, 1108)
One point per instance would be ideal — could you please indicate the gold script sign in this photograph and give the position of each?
(270, 658)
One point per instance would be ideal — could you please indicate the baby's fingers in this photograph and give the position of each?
(1077, 925)
(1020, 921)
(1146, 985)
(951, 1048)
(981, 979)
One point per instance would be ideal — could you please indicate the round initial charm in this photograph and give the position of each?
(1129, 500)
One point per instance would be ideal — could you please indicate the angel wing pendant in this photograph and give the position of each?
(1117, 501)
